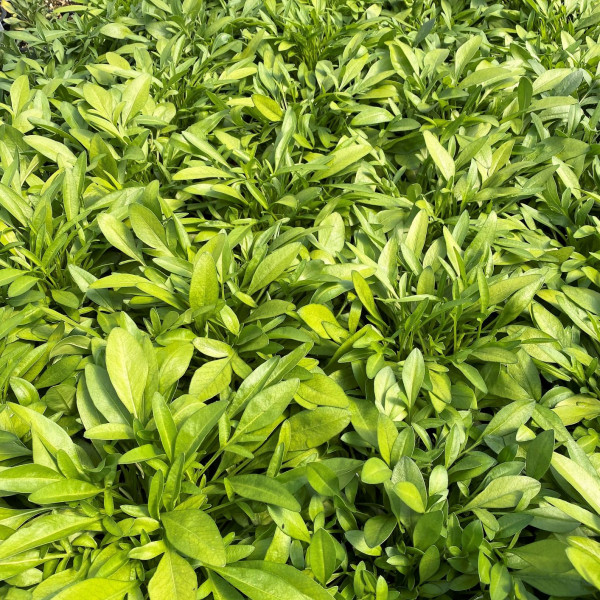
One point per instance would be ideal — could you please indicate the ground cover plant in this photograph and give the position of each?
(300, 300)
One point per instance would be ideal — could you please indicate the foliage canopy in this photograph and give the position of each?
(300, 300)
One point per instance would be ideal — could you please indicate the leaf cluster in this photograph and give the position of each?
(300, 300)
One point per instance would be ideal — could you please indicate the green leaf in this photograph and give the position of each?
(518, 303)
(174, 361)
(211, 379)
(261, 580)
(55, 151)
(588, 299)
(45, 530)
(378, 529)
(195, 428)
(273, 266)
(440, 155)
(584, 482)
(267, 405)
(364, 293)
(409, 494)
(195, 534)
(15, 205)
(584, 554)
(375, 471)
(332, 233)
(510, 418)
(204, 287)
(127, 368)
(116, 31)
(316, 316)
(465, 53)
(290, 522)
(506, 492)
(68, 490)
(322, 555)
(267, 107)
(135, 95)
(200, 172)
(119, 236)
(25, 479)
(174, 579)
(371, 115)
(413, 374)
(311, 428)
(97, 588)
(263, 489)
(52, 435)
(147, 227)
(19, 93)
(539, 454)
(342, 159)
(428, 529)
(321, 390)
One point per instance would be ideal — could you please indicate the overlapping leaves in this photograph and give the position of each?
(300, 300)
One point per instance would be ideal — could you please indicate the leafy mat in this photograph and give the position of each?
(300, 300)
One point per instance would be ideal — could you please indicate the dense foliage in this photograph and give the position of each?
(300, 300)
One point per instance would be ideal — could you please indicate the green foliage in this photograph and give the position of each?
(300, 300)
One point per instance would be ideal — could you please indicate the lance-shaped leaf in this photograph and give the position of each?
(173, 578)
(127, 368)
(204, 287)
(440, 155)
(195, 534)
(506, 492)
(263, 489)
(45, 530)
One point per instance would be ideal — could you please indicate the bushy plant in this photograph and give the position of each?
(300, 300)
